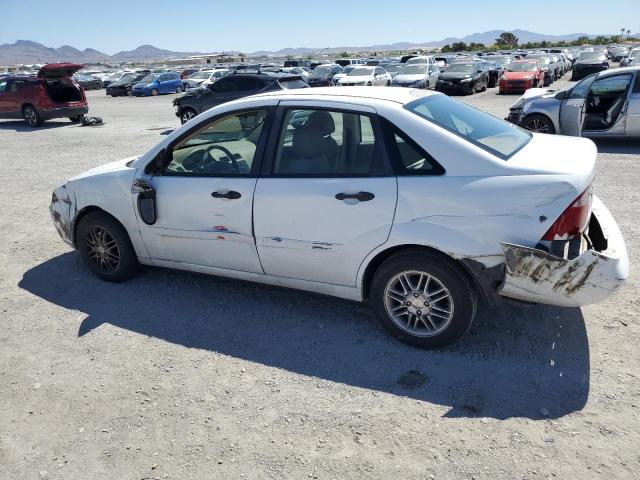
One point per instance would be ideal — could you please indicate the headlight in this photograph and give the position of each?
(466, 80)
(503, 79)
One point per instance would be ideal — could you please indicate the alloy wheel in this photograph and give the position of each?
(188, 115)
(30, 116)
(537, 126)
(102, 249)
(418, 303)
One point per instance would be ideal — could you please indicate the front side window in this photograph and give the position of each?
(327, 143)
(3, 85)
(226, 146)
(486, 131)
(581, 89)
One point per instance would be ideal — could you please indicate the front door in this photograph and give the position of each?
(572, 108)
(204, 195)
(607, 104)
(633, 110)
(326, 199)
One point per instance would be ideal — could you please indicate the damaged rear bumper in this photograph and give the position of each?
(534, 275)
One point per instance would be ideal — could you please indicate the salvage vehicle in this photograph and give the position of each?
(157, 83)
(406, 199)
(87, 82)
(602, 105)
(422, 59)
(363, 75)
(521, 75)
(124, 86)
(322, 75)
(50, 94)
(204, 78)
(588, 63)
(551, 73)
(417, 76)
(463, 77)
(233, 87)
(345, 71)
(633, 55)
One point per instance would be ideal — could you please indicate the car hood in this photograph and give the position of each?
(195, 81)
(410, 78)
(357, 78)
(142, 84)
(534, 94)
(454, 75)
(106, 168)
(519, 75)
(120, 84)
(58, 70)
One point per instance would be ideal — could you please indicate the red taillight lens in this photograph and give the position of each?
(573, 220)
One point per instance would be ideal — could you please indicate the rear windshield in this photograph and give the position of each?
(523, 67)
(293, 83)
(486, 131)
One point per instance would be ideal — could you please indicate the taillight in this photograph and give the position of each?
(573, 220)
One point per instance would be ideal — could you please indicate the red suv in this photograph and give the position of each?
(52, 94)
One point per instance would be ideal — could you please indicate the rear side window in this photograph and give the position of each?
(3, 85)
(249, 83)
(225, 85)
(407, 156)
(496, 136)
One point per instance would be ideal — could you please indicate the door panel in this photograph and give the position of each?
(572, 117)
(303, 231)
(633, 112)
(193, 227)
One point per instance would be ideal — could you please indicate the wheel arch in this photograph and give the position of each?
(545, 114)
(382, 256)
(83, 213)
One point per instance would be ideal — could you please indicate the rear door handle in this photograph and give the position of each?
(360, 196)
(229, 194)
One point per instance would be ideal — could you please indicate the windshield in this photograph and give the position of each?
(360, 71)
(486, 131)
(200, 75)
(347, 70)
(149, 78)
(128, 77)
(414, 69)
(461, 67)
(418, 60)
(522, 67)
(393, 68)
(591, 56)
(501, 60)
(321, 71)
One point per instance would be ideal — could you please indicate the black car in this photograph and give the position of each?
(494, 69)
(124, 85)
(233, 87)
(588, 63)
(322, 75)
(463, 77)
(88, 82)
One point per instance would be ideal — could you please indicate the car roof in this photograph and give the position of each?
(358, 94)
(615, 71)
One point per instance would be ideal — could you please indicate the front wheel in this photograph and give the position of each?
(154, 92)
(186, 115)
(179, 90)
(105, 247)
(539, 124)
(423, 300)
(369, 84)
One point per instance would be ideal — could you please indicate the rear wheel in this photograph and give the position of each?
(154, 92)
(106, 248)
(76, 118)
(369, 84)
(539, 124)
(187, 114)
(423, 299)
(179, 90)
(31, 116)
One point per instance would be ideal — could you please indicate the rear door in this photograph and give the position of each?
(572, 109)
(5, 96)
(326, 197)
(633, 110)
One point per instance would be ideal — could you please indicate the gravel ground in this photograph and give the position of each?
(177, 375)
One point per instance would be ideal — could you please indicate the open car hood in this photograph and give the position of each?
(58, 70)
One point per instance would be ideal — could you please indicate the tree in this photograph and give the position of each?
(459, 47)
(477, 46)
(344, 55)
(446, 49)
(622, 33)
(628, 33)
(507, 39)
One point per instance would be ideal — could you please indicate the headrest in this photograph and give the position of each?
(307, 142)
(322, 121)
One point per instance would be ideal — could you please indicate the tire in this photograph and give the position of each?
(187, 114)
(538, 123)
(388, 83)
(109, 255)
(179, 90)
(31, 116)
(369, 84)
(427, 86)
(434, 330)
(154, 92)
(76, 118)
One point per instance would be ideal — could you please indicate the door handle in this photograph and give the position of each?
(360, 196)
(230, 195)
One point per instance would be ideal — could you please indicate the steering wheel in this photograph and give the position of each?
(206, 155)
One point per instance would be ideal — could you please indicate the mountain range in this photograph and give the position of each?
(28, 52)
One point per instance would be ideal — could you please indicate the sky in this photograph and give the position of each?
(250, 25)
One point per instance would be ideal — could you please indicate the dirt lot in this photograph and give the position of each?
(176, 375)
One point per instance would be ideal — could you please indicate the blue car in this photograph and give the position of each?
(156, 83)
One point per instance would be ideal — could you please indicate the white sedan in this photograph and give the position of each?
(409, 200)
(369, 76)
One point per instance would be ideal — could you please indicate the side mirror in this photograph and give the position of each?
(146, 200)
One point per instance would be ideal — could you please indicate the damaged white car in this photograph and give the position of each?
(409, 200)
